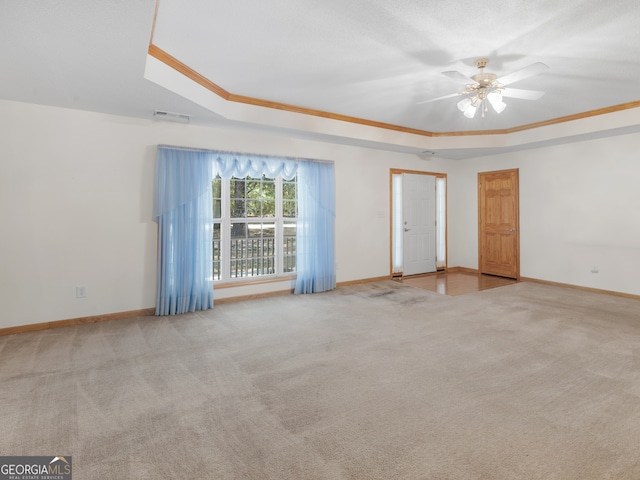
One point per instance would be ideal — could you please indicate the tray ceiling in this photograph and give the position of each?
(368, 59)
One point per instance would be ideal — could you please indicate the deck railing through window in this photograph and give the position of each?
(254, 257)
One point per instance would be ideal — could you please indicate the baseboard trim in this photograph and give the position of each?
(553, 284)
(250, 282)
(254, 296)
(462, 270)
(580, 287)
(34, 327)
(363, 280)
(241, 298)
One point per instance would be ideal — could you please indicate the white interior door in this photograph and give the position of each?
(419, 223)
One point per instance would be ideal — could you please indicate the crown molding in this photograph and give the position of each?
(187, 71)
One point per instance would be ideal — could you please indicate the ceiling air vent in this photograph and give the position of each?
(171, 117)
(426, 154)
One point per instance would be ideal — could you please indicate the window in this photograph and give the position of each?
(293, 229)
(254, 231)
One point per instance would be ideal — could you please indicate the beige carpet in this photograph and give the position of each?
(376, 381)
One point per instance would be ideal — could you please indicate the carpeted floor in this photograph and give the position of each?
(375, 381)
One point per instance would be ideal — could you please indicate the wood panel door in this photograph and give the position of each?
(498, 223)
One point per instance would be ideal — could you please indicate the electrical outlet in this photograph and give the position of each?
(594, 269)
(81, 292)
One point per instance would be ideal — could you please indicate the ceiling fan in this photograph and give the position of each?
(487, 89)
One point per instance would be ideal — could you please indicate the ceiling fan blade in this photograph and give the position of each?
(526, 72)
(458, 77)
(438, 98)
(524, 94)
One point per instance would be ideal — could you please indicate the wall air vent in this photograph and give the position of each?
(171, 117)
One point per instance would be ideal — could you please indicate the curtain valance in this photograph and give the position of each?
(229, 165)
(183, 174)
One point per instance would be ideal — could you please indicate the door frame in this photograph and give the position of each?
(419, 224)
(400, 171)
(517, 218)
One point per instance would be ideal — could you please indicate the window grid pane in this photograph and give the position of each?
(216, 252)
(289, 247)
(216, 187)
(253, 249)
(260, 227)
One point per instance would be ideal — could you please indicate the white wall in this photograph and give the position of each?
(76, 193)
(579, 208)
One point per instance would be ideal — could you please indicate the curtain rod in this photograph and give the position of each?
(225, 152)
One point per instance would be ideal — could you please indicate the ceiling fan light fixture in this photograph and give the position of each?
(495, 99)
(489, 89)
(470, 111)
(464, 104)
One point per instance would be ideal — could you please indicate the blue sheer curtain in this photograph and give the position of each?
(184, 213)
(315, 243)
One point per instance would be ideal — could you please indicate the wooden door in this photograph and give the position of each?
(498, 223)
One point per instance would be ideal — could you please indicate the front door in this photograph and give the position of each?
(419, 223)
(498, 223)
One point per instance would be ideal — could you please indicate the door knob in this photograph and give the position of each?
(407, 229)
(512, 229)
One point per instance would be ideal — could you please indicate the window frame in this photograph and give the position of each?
(225, 220)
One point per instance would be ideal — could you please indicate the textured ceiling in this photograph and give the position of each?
(370, 59)
(375, 59)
